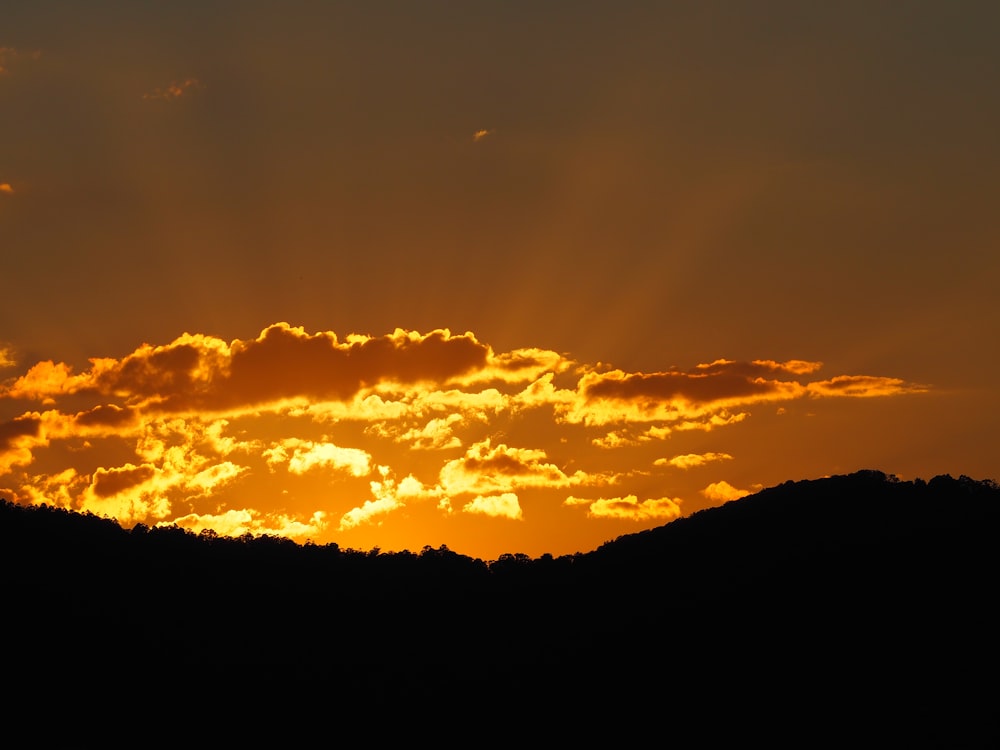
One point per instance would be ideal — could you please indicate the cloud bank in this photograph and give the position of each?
(353, 431)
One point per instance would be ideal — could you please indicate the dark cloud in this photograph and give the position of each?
(860, 386)
(284, 363)
(673, 386)
(26, 426)
(106, 415)
(498, 463)
(108, 482)
(153, 372)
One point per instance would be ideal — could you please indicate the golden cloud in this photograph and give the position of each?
(133, 494)
(6, 188)
(387, 495)
(705, 424)
(26, 426)
(723, 492)
(283, 365)
(480, 134)
(178, 459)
(369, 510)
(109, 482)
(496, 506)
(301, 456)
(617, 439)
(703, 397)
(245, 521)
(47, 381)
(487, 469)
(435, 435)
(672, 396)
(141, 503)
(759, 368)
(630, 508)
(17, 439)
(174, 90)
(862, 386)
(689, 460)
(60, 490)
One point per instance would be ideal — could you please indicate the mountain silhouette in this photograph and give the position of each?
(856, 608)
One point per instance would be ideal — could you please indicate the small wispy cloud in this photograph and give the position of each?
(480, 134)
(174, 90)
(7, 358)
(9, 56)
(690, 460)
(6, 188)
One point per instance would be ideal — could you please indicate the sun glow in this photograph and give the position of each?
(337, 438)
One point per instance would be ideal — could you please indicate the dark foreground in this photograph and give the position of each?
(856, 610)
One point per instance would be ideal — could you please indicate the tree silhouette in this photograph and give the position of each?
(861, 604)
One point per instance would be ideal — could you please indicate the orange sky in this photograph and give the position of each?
(508, 277)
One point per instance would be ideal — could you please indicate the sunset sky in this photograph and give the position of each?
(505, 276)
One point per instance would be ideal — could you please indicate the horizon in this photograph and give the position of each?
(507, 279)
(208, 533)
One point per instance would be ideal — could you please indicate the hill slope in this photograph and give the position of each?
(811, 610)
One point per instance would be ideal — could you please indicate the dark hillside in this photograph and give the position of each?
(811, 613)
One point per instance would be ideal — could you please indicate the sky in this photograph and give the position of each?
(515, 277)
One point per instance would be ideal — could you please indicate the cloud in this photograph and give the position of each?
(18, 438)
(108, 482)
(689, 460)
(48, 381)
(60, 490)
(496, 506)
(107, 416)
(490, 469)
(706, 395)
(181, 430)
(174, 91)
(759, 367)
(723, 492)
(616, 439)
(246, 521)
(284, 366)
(135, 493)
(436, 434)
(862, 386)
(6, 188)
(387, 495)
(179, 461)
(20, 427)
(480, 134)
(7, 357)
(301, 456)
(10, 57)
(369, 510)
(673, 395)
(630, 508)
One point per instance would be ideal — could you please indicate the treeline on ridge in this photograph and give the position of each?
(806, 582)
